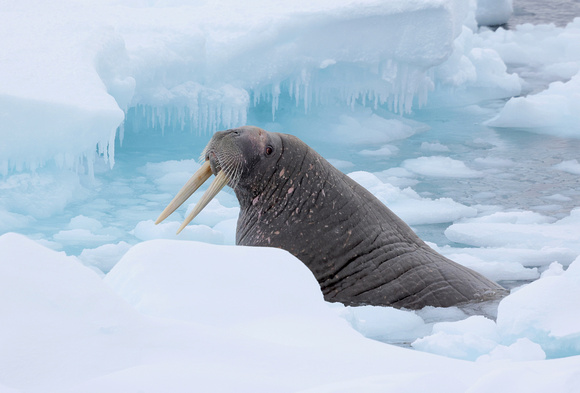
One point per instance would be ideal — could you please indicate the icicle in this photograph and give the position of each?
(275, 99)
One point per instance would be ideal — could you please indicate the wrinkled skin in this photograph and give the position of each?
(360, 252)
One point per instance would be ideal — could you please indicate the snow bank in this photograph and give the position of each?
(74, 69)
(183, 315)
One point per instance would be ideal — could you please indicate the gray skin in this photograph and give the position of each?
(360, 252)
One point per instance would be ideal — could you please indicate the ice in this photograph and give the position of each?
(104, 257)
(170, 175)
(386, 323)
(493, 12)
(214, 213)
(524, 230)
(542, 312)
(203, 67)
(434, 147)
(431, 111)
(523, 349)
(372, 129)
(146, 327)
(536, 112)
(142, 280)
(439, 166)
(467, 339)
(570, 166)
(544, 53)
(147, 230)
(40, 194)
(383, 151)
(408, 205)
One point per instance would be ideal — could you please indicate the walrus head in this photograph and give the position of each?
(234, 157)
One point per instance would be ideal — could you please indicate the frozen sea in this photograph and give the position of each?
(471, 134)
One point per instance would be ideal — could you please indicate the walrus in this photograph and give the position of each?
(360, 252)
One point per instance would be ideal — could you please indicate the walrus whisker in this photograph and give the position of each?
(186, 191)
(219, 182)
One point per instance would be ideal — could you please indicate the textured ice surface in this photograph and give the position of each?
(394, 93)
(146, 327)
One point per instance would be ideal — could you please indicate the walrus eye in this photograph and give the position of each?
(269, 150)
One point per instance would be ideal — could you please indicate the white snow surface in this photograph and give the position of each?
(180, 315)
(373, 85)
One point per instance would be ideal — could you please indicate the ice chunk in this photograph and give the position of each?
(340, 164)
(41, 194)
(570, 166)
(228, 229)
(53, 95)
(495, 270)
(12, 221)
(386, 323)
(467, 339)
(537, 112)
(434, 147)
(522, 350)
(371, 129)
(525, 230)
(147, 230)
(473, 73)
(411, 207)
(542, 312)
(220, 277)
(383, 151)
(104, 257)
(214, 213)
(439, 166)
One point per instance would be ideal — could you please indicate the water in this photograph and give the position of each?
(559, 12)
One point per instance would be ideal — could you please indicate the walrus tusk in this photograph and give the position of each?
(187, 190)
(219, 182)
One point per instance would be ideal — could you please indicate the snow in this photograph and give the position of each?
(167, 317)
(469, 135)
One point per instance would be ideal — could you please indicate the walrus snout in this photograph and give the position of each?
(214, 162)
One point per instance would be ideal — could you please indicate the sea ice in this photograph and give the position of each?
(411, 207)
(439, 166)
(536, 112)
(147, 327)
(571, 166)
(542, 311)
